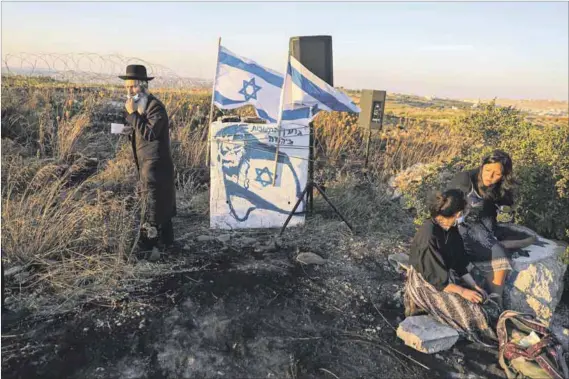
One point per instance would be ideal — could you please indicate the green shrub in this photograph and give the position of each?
(540, 154)
(541, 163)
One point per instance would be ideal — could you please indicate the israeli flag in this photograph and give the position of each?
(241, 81)
(305, 94)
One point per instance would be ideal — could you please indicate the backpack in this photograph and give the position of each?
(542, 357)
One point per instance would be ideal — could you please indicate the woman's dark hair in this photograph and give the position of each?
(447, 203)
(504, 187)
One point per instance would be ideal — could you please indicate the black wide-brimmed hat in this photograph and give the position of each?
(136, 72)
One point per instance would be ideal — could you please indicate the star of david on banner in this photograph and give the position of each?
(264, 176)
(246, 85)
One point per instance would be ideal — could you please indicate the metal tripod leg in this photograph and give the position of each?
(300, 198)
(332, 205)
(310, 186)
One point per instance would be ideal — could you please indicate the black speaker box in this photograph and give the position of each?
(372, 105)
(315, 53)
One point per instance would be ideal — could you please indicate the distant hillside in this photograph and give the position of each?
(416, 101)
(540, 107)
(167, 80)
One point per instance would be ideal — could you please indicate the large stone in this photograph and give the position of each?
(401, 182)
(426, 335)
(247, 241)
(408, 180)
(310, 259)
(205, 238)
(224, 238)
(535, 284)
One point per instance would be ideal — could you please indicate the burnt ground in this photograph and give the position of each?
(244, 309)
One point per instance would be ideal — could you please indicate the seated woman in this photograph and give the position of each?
(487, 188)
(437, 261)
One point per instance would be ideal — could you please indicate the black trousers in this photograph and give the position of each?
(166, 233)
(2, 264)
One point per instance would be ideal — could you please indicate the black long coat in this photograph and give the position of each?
(151, 149)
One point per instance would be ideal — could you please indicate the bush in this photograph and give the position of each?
(541, 165)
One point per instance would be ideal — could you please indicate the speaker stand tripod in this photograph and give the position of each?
(309, 187)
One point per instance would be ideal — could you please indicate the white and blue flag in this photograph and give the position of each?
(241, 81)
(305, 94)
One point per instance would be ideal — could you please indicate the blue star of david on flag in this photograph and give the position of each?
(262, 175)
(246, 85)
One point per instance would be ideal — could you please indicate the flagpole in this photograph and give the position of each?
(279, 121)
(212, 106)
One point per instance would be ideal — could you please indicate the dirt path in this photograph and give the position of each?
(238, 311)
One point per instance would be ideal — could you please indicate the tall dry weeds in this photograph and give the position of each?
(75, 241)
(402, 149)
(68, 135)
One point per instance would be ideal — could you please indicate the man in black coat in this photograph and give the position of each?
(148, 130)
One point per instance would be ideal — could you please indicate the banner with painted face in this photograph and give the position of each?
(242, 167)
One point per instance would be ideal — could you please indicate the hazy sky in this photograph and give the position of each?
(465, 50)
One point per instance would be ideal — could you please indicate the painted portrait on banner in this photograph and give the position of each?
(242, 168)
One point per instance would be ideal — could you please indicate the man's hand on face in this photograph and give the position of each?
(130, 106)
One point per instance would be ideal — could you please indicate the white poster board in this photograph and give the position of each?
(242, 193)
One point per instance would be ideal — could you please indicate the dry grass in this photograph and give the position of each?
(74, 241)
(119, 173)
(404, 149)
(68, 135)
